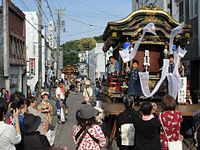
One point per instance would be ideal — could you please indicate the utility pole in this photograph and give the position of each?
(6, 62)
(40, 43)
(59, 61)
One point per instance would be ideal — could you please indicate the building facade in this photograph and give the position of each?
(16, 56)
(33, 52)
(169, 6)
(32, 49)
(189, 12)
(97, 62)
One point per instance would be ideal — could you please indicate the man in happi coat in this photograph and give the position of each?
(134, 86)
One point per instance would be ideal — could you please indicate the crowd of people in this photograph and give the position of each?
(21, 127)
(25, 122)
(148, 129)
(145, 129)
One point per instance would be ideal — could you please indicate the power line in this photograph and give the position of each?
(51, 13)
(87, 15)
(39, 32)
(81, 22)
(84, 32)
(36, 3)
(105, 12)
(59, 4)
(32, 24)
(22, 2)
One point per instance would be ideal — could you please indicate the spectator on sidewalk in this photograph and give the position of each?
(87, 93)
(147, 129)
(5, 95)
(97, 90)
(18, 101)
(60, 103)
(10, 135)
(87, 134)
(31, 103)
(171, 120)
(33, 140)
(45, 109)
(32, 107)
(125, 130)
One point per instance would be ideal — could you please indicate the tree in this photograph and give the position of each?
(86, 44)
(71, 48)
(70, 58)
(99, 39)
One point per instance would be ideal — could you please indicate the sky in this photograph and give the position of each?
(83, 18)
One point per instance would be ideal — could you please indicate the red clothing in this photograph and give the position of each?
(172, 124)
(88, 143)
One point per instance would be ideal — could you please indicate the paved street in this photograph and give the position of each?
(64, 135)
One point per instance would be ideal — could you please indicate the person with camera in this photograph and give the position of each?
(10, 135)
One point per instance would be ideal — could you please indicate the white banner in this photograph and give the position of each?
(125, 55)
(144, 79)
(128, 56)
(183, 90)
(174, 83)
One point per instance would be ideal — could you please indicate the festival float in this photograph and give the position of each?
(149, 48)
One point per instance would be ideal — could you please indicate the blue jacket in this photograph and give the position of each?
(134, 87)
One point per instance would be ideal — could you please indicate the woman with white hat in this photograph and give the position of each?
(88, 134)
(87, 93)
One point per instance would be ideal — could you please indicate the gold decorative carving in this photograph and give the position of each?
(150, 7)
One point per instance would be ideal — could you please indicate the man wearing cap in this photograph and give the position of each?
(125, 131)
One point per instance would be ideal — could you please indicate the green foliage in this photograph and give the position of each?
(99, 39)
(71, 48)
(71, 45)
(86, 44)
(70, 58)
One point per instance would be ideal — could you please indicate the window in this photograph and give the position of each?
(193, 7)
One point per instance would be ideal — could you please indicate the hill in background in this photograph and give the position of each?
(71, 48)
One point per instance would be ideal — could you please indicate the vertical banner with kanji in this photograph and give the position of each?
(32, 66)
(183, 90)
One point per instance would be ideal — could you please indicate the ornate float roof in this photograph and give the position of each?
(69, 69)
(130, 28)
